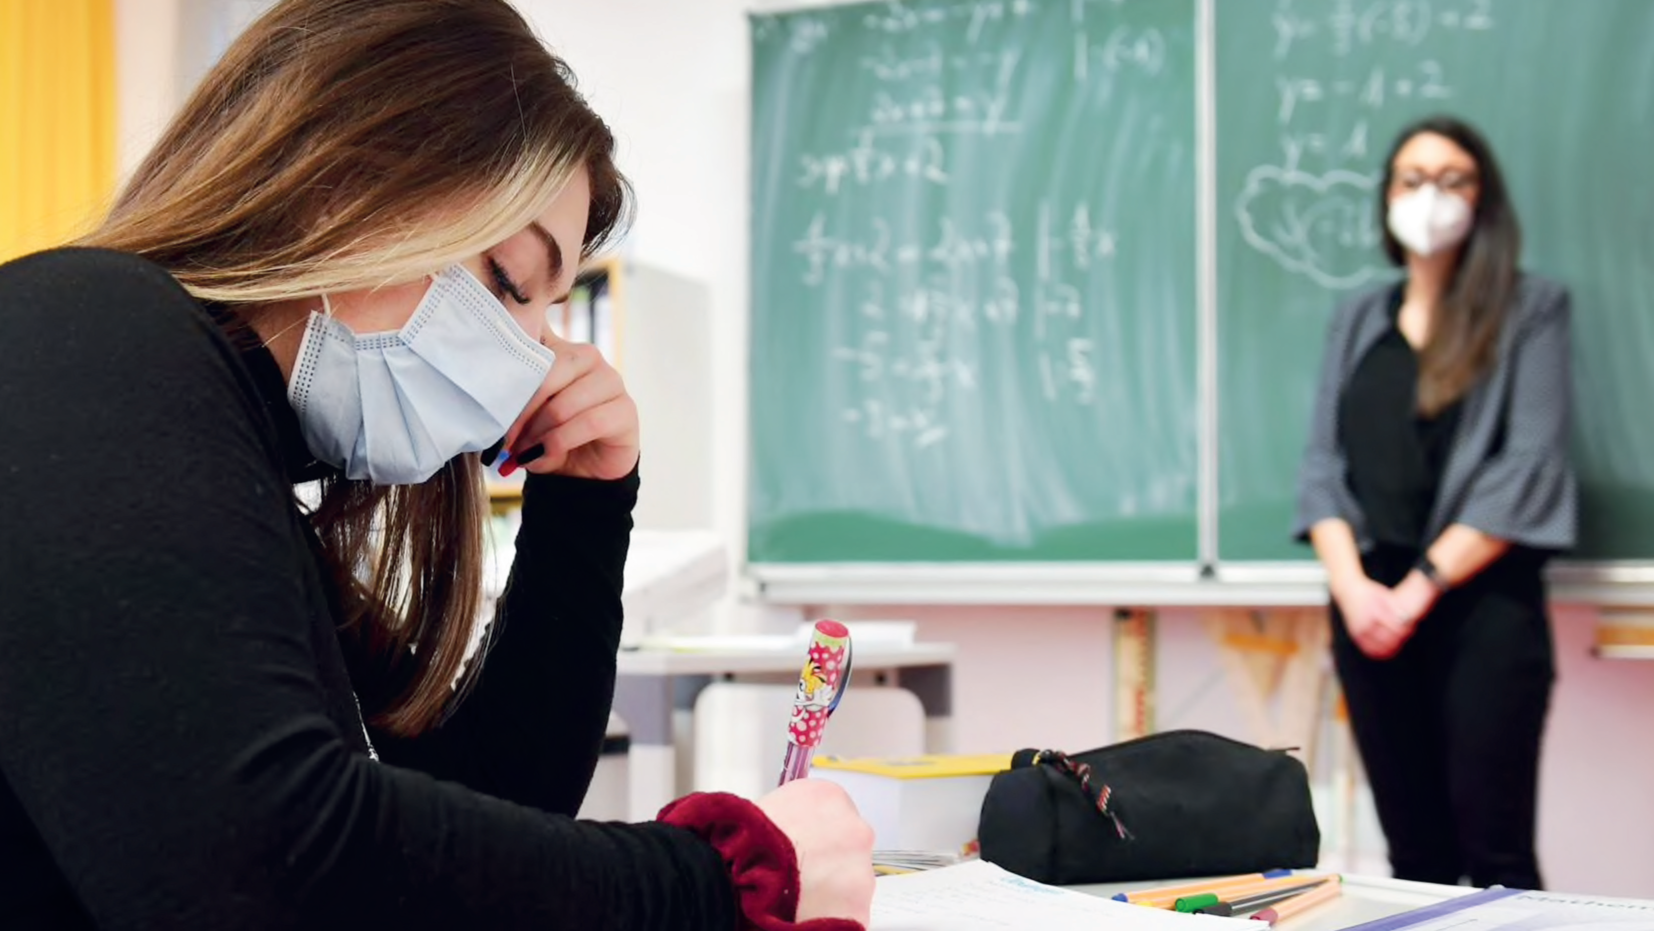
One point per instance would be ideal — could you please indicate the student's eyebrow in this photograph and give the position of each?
(554, 254)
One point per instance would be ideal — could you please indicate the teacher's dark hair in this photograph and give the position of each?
(1465, 336)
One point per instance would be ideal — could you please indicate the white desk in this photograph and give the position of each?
(1365, 898)
(653, 683)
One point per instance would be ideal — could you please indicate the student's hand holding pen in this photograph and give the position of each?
(833, 844)
(834, 847)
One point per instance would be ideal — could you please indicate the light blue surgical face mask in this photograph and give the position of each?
(393, 408)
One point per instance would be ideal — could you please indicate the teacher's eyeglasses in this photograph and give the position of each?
(1451, 181)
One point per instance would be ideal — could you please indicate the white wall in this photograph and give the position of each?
(672, 77)
(162, 48)
(146, 82)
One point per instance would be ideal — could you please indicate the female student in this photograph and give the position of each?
(1435, 484)
(220, 710)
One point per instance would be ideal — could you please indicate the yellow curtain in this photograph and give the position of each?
(57, 120)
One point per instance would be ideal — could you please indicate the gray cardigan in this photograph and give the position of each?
(1524, 491)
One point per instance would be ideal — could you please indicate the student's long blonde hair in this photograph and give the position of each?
(343, 144)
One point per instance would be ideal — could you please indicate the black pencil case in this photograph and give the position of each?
(1176, 804)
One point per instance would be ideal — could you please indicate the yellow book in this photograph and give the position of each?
(920, 803)
(931, 766)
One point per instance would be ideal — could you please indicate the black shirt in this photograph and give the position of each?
(179, 740)
(1396, 456)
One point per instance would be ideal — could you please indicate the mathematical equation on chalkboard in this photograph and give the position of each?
(1312, 210)
(922, 304)
(931, 91)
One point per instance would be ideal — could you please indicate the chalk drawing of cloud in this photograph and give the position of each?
(1318, 226)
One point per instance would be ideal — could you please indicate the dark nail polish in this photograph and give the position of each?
(530, 454)
(508, 468)
(488, 455)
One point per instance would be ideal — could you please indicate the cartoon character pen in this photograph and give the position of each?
(821, 683)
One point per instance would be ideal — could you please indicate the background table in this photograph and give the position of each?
(653, 683)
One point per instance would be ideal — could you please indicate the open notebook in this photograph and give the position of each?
(978, 896)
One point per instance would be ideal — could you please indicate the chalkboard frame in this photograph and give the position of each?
(1209, 581)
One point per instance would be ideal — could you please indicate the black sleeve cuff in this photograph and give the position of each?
(588, 497)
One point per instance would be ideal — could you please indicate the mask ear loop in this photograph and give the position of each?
(327, 310)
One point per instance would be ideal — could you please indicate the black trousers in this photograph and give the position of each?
(1450, 728)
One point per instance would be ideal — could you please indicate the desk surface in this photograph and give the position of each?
(1365, 898)
(712, 660)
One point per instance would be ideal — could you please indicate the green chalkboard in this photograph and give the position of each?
(1308, 97)
(974, 332)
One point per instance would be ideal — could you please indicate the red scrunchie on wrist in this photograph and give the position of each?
(761, 860)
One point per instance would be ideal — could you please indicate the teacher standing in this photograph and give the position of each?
(1435, 486)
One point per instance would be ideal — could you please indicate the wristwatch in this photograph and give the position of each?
(1430, 572)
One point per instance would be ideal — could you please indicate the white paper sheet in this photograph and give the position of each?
(1500, 909)
(978, 896)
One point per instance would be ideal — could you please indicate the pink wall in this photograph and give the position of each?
(1024, 677)
(1596, 829)
(1042, 677)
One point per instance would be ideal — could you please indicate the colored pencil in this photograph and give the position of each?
(1226, 889)
(1197, 888)
(1252, 903)
(1242, 904)
(1299, 904)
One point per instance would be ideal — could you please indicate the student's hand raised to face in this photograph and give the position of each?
(581, 423)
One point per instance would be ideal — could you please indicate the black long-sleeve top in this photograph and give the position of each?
(180, 745)
(1396, 456)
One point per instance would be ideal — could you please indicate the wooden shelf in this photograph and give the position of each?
(504, 491)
